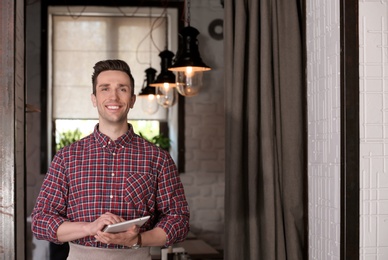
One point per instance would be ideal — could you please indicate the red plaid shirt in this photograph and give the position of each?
(129, 177)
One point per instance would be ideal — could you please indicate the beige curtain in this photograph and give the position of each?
(265, 130)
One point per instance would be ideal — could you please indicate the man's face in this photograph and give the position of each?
(113, 97)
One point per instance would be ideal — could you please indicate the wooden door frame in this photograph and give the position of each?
(12, 128)
(350, 132)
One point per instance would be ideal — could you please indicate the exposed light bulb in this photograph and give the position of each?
(166, 95)
(149, 104)
(189, 82)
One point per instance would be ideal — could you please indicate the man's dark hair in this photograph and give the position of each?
(119, 65)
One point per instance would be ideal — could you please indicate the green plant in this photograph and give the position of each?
(159, 140)
(68, 137)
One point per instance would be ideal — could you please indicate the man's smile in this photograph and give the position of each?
(113, 107)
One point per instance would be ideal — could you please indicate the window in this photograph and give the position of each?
(78, 37)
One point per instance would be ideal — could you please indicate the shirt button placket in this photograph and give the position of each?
(113, 173)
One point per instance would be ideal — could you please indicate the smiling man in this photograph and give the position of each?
(110, 176)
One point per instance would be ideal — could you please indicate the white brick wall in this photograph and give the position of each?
(373, 28)
(323, 129)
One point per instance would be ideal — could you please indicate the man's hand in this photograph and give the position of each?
(104, 220)
(127, 238)
(69, 231)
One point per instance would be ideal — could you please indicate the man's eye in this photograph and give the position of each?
(104, 89)
(124, 89)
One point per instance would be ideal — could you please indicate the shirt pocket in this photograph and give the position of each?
(140, 191)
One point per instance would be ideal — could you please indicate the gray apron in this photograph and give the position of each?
(78, 252)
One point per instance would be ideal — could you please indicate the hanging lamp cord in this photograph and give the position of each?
(150, 41)
(188, 3)
(166, 32)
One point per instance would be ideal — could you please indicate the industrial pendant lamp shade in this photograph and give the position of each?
(165, 82)
(189, 66)
(188, 52)
(149, 103)
(150, 77)
(165, 75)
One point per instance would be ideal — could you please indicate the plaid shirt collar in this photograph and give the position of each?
(122, 141)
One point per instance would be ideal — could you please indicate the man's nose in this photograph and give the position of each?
(113, 95)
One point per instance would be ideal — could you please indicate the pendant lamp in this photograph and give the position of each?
(188, 65)
(147, 93)
(165, 85)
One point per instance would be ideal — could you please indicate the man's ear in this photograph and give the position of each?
(93, 98)
(133, 100)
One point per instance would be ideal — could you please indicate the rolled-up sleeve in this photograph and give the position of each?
(50, 207)
(172, 205)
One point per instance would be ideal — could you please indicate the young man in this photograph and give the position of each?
(110, 176)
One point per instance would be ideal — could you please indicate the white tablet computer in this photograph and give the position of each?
(123, 226)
